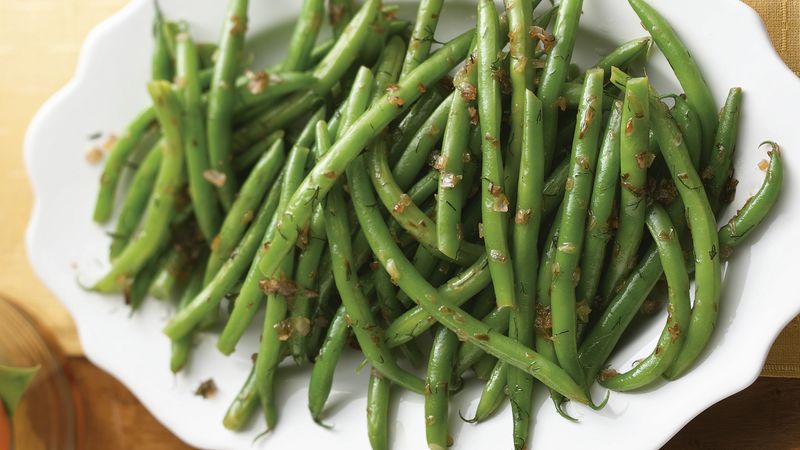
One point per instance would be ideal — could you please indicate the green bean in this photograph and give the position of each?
(450, 192)
(339, 14)
(553, 191)
(457, 290)
(704, 237)
(251, 295)
(669, 344)
(370, 338)
(243, 406)
(117, 157)
(328, 72)
(174, 271)
(161, 61)
(242, 212)
(416, 154)
(372, 122)
(469, 354)
(440, 368)
(555, 71)
(412, 121)
(623, 55)
(422, 36)
(261, 89)
(689, 123)
(756, 207)
(220, 101)
(527, 222)
(228, 274)
(378, 396)
(494, 197)
(136, 293)
(195, 150)
(388, 67)
(277, 289)
(308, 264)
(571, 97)
(443, 310)
(484, 366)
(206, 53)
(719, 169)
(319, 386)
(305, 34)
(180, 348)
(161, 205)
(572, 230)
(521, 53)
(136, 199)
(494, 392)
(634, 160)
(598, 227)
(405, 212)
(697, 92)
(246, 160)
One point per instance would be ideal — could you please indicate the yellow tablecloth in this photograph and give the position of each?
(39, 45)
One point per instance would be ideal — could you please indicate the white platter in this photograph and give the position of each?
(729, 43)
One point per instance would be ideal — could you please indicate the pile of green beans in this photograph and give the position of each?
(518, 214)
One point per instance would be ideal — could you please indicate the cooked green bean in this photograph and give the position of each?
(525, 235)
(598, 226)
(304, 35)
(565, 33)
(378, 396)
(623, 55)
(493, 394)
(219, 121)
(669, 343)
(689, 123)
(719, 169)
(195, 150)
(572, 230)
(180, 348)
(494, 197)
(411, 122)
(319, 385)
(437, 391)
(161, 206)
(634, 158)
(244, 405)
(422, 36)
(697, 92)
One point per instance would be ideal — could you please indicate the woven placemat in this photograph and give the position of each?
(782, 19)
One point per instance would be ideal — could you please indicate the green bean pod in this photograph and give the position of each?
(422, 35)
(697, 92)
(450, 193)
(378, 397)
(689, 123)
(274, 332)
(243, 406)
(369, 336)
(304, 35)
(565, 33)
(704, 237)
(598, 226)
(161, 67)
(411, 122)
(437, 391)
(117, 157)
(623, 55)
(756, 207)
(242, 212)
(469, 354)
(493, 394)
(417, 153)
(527, 221)
(161, 205)
(573, 224)
(180, 348)
(650, 369)
(136, 199)
(220, 99)
(719, 169)
(319, 385)
(634, 159)
(494, 197)
(204, 203)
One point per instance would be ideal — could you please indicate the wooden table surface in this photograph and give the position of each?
(39, 45)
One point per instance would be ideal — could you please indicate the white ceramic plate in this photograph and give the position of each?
(726, 38)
